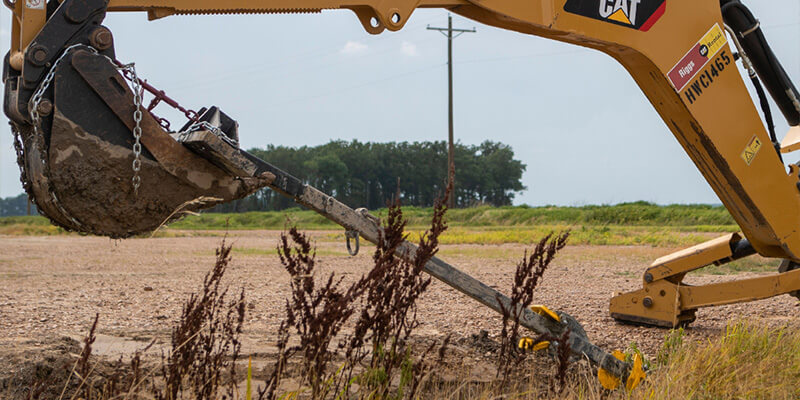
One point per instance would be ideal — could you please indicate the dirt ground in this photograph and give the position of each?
(53, 286)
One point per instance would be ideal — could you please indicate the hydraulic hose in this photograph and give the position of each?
(766, 64)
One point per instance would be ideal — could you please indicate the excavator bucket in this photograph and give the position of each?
(82, 162)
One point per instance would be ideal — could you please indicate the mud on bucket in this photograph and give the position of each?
(78, 161)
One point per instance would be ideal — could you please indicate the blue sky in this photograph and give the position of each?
(574, 116)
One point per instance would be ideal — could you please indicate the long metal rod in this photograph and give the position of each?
(360, 222)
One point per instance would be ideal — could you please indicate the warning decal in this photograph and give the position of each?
(751, 150)
(697, 58)
(35, 4)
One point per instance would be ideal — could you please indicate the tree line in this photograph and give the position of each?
(16, 206)
(370, 174)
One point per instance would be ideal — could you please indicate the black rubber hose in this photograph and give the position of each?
(762, 97)
(766, 64)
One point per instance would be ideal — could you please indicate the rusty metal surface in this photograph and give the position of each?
(221, 154)
(173, 157)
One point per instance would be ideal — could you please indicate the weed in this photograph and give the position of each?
(316, 313)
(207, 333)
(378, 350)
(672, 342)
(205, 348)
(389, 315)
(563, 353)
(526, 277)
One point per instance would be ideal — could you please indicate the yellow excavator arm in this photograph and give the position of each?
(66, 95)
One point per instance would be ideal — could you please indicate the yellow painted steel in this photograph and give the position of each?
(607, 380)
(545, 312)
(791, 141)
(665, 301)
(527, 343)
(693, 258)
(637, 375)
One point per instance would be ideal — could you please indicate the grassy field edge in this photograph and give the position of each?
(637, 223)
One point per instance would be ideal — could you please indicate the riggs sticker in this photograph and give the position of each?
(636, 14)
(696, 59)
(707, 78)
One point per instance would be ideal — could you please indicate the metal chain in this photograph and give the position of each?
(19, 149)
(129, 71)
(36, 119)
(137, 129)
(137, 115)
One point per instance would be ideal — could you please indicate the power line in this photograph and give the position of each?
(555, 53)
(359, 86)
(317, 53)
(284, 74)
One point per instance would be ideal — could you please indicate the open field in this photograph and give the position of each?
(54, 285)
(624, 224)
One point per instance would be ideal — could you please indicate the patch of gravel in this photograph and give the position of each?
(53, 286)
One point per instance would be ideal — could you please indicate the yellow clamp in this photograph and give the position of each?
(527, 343)
(637, 375)
(545, 312)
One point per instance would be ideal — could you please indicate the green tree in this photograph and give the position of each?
(367, 174)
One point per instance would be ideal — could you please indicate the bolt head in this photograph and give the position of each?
(648, 277)
(647, 302)
(101, 38)
(45, 107)
(40, 55)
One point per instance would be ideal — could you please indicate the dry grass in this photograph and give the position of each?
(749, 361)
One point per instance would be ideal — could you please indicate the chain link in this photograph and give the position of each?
(36, 121)
(19, 148)
(129, 71)
(137, 129)
(38, 96)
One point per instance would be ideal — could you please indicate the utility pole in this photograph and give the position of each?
(451, 164)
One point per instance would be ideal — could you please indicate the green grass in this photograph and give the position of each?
(28, 226)
(674, 236)
(624, 224)
(750, 264)
(629, 214)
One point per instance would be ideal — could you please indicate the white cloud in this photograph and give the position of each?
(409, 49)
(354, 48)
